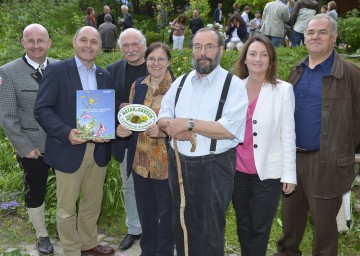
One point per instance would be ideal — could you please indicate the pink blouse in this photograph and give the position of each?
(245, 152)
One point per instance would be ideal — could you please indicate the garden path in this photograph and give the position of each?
(104, 240)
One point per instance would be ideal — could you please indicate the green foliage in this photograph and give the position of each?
(255, 4)
(16, 252)
(349, 30)
(144, 23)
(201, 5)
(166, 4)
(152, 37)
(181, 62)
(287, 58)
(61, 18)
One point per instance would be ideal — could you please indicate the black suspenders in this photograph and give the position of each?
(222, 101)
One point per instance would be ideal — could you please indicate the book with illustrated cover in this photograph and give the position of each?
(95, 114)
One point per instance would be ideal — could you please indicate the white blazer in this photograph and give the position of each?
(274, 133)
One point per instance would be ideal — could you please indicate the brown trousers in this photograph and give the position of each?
(295, 208)
(77, 226)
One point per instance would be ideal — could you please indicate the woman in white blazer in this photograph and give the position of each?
(265, 162)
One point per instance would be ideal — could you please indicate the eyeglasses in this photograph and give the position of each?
(38, 42)
(207, 47)
(152, 60)
(127, 46)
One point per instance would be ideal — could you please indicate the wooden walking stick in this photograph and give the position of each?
(182, 193)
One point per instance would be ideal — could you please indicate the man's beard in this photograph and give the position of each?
(206, 69)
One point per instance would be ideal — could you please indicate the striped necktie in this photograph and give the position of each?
(41, 69)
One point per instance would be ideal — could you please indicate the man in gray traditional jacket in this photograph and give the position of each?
(18, 91)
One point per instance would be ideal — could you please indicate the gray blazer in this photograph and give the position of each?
(108, 35)
(18, 93)
(274, 17)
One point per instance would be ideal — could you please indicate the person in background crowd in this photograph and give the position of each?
(124, 73)
(89, 19)
(186, 6)
(149, 8)
(256, 23)
(147, 156)
(265, 163)
(332, 10)
(303, 11)
(126, 21)
(108, 33)
(18, 89)
(288, 28)
(235, 9)
(101, 17)
(290, 4)
(323, 9)
(327, 126)
(208, 171)
(218, 14)
(161, 18)
(179, 10)
(179, 26)
(80, 165)
(195, 24)
(236, 32)
(245, 16)
(275, 15)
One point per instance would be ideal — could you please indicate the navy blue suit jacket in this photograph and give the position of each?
(55, 111)
(217, 16)
(118, 72)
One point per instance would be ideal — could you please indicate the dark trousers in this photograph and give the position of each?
(35, 180)
(154, 205)
(208, 184)
(296, 38)
(255, 203)
(295, 208)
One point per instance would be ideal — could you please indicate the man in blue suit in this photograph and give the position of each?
(218, 14)
(80, 165)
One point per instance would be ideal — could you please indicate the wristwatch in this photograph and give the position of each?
(191, 124)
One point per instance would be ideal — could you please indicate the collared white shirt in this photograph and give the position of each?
(87, 76)
(199, 99)
(34, 64)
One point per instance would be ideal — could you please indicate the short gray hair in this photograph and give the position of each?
(124, 7)
(333, 24)
(137, 32)
(108, 17)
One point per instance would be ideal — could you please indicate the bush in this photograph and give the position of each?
(349, 30)
(201, 5)
(152, 37)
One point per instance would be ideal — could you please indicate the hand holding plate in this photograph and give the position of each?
(122, 131)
